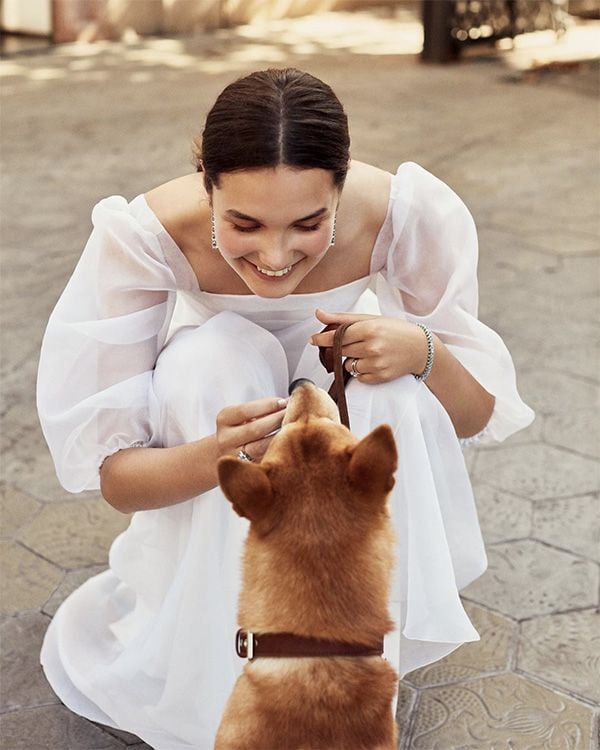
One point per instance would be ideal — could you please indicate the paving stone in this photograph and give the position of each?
(73, 580)
(27, 581)
(129, 740)
(564, 650)
(75, 533)
(23, 681)
(527, 578)
(498, 713)
(572, 524)
(406, 700)
(29, 465)
(538, 472)
(53, 728)
(578, 430)
(16, 509)
(488, 655)
(550, 392)
(562, 240)
(502, 516)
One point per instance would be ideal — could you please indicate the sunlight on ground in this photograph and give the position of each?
(273, 42)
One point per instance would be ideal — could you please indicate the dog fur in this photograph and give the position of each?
(317, 562)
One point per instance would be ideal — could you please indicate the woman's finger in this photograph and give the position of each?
(253, 431)
(238, 414)
(352, 335)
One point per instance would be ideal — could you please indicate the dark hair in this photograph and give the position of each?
(272, 117)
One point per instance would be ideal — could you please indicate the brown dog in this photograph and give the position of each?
(317, 563)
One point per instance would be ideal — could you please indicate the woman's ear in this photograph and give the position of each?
(246, 486)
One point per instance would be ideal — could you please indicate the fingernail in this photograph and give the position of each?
(281, 402)
(311, 340)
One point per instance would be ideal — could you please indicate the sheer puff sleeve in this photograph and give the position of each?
(428, 274)
(100, 346)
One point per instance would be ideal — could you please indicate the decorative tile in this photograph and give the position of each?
(578, 430)
(527, 578)
(73, 580)
(53, 728)
(27, 580)
(75, 533)
(23, 681)
(564, 650)
(538, 472)
(498, 713)
(573, 524)
(16, 509)
(406, 701)
(488, 655)
(502, 516)
(551, 392)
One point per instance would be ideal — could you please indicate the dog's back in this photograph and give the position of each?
(317, 563)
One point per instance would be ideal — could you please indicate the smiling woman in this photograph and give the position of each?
(277, 234)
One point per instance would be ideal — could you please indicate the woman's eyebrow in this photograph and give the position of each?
(239, 215)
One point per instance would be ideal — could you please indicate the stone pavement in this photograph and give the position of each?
(521, 149)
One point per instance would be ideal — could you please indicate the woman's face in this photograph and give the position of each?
(274, 220)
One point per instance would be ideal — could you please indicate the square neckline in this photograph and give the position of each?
(182, 260)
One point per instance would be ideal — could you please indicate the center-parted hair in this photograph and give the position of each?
(273, 117)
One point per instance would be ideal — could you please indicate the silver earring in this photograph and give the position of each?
(332, 243)
(213, 234)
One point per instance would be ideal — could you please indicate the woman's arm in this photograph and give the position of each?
(135, 479)
(148, 478)
(467, 402)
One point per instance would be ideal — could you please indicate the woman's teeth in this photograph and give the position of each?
(275, 273)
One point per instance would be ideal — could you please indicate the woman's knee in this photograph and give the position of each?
(224, 354)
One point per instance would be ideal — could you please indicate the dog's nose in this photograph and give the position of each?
(295, 383)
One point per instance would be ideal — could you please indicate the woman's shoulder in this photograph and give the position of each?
(177, 203)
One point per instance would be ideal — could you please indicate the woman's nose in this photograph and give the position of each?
(274, 256)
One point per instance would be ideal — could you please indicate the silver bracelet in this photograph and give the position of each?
(430, 352)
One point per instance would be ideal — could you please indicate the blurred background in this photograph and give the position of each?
(499, 99)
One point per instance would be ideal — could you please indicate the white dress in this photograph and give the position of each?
(148, 645)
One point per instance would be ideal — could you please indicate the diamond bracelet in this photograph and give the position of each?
(430, 351)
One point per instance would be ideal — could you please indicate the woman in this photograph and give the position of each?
(277, 234)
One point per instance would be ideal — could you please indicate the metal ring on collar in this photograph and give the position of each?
(244, 456)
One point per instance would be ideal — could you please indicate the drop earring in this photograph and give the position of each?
(332, 243)
(213, 234)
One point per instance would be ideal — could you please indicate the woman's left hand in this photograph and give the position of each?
(386, 348)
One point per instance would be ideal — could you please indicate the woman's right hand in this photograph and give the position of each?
(248, 426)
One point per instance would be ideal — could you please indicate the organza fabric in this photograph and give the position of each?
(136, 354)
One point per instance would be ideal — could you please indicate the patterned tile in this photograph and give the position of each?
(488, 655)
(577, 429)
(500, 713)
(564, 650)
(23, 681)
(538, 472)
(27, 580)
(502, 516)
(53, 728)
(73, 580)
(16, 509)
(551, 392)
(573, 524)
(75, 533)
(527, 578)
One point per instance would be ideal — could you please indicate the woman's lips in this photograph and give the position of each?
(266, 277)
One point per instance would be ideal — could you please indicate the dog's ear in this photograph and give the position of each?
(374, 461)
(246, 486)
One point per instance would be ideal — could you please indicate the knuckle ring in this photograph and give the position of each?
(353, 371)
(243, 455)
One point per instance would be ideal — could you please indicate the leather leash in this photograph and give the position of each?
(333, 361)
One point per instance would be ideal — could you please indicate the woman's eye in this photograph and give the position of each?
(312, 228)
(245, 229)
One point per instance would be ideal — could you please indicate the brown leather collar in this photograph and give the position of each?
(252, 645)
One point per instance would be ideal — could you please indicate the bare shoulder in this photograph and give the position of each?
(366, 194)
(178, 204)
